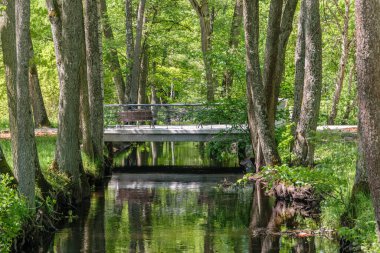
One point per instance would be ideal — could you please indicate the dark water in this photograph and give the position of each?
(184, 213)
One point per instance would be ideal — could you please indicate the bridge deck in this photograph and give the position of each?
(165, 133)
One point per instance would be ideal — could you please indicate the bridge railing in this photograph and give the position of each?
(167, 114)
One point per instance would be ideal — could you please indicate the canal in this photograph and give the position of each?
(145, 211)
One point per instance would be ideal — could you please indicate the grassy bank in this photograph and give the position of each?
(332, 178)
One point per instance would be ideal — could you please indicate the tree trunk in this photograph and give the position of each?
(205, 20)
(271, 52)
(280, 25)
(299, 66)
(144, 75)
(39, 111)
(307, 125)
(130, 47)
(255, 85)
(136, 54)
(25, 143)
(54, 8)
(285, 31)
(84, 110)
(361, 178)
(113, 59)
(346, 43)
(68, 157)
(368, 70)
(94, 78)
(350, 103)
(233, 43)
(8, 38)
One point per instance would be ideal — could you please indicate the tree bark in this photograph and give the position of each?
(299, 66)
(368, 71)
(307, 125)
(8, 38)
(54, 8)
(68, 157)
(25, 171)
(271, 52)
(84, 110)
(346, 44)
(233, 43)
(130, 47)
(94, 78)
(144, 75)
(112, 57)
(255, 85)
(136, 54)
(350, 103)
(286, 28)
(39, 111)
(205, 20)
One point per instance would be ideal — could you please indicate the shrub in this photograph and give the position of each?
(13, 212)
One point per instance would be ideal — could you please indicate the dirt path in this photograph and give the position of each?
(6, 135)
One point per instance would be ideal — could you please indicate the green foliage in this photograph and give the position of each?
(285, 139)
(361, 234)
(320, 180)
(13, 212)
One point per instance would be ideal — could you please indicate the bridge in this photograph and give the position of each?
(168, 122)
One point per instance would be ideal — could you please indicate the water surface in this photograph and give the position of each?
(184, 213)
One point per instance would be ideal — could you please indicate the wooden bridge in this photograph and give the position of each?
(166, 122)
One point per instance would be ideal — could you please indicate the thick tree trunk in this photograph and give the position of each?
(255, 85)
(285, 31)
(68, 157)
(368, 70)
(25, 171)
(136, 54)
(39, 111)
(361, 178)
(346, 43)
(205, 20)
(144, 75)
(271, 52)
(233, 43)
(299, 66)
(130, 47)
(307, 125)
(8, 38)
(84, 111)
(94, 78)
(54, 8)
(113, 59)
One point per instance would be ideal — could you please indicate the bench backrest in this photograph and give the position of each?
(136, 115)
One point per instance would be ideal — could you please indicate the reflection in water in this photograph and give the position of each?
(182, 213)
(266, 227)
(170, 154)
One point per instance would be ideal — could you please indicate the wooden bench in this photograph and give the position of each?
(136, 115)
